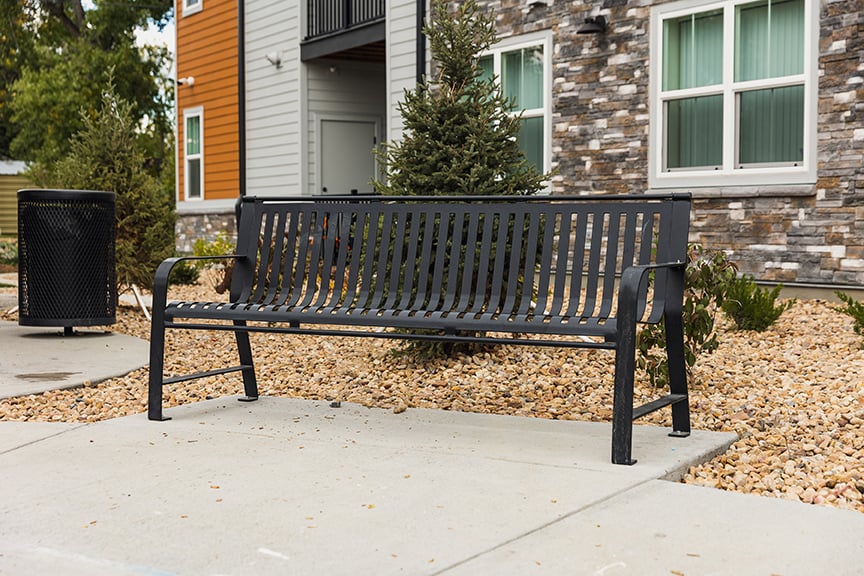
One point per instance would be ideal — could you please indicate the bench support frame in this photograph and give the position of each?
(248, 303)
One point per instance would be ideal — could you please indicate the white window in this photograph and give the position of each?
(193, 153)
(192, 6)
(523, 67)
(733, 93)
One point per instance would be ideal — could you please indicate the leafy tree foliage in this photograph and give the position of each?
(106, 156)
(16, 53)
(69, 54)
(459, 137)
(707, 280)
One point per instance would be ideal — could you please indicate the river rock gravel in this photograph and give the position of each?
(794, 394)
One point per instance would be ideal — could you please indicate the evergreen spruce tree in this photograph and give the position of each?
(106, 155)
(459, 137)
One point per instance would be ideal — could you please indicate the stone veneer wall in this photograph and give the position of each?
(600, 99)
(192, 226)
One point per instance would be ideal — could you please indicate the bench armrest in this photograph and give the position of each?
(160, 279)
(631, 283)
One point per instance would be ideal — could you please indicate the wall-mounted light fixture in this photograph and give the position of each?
(187, 81)
(275, 58)
(595, 25)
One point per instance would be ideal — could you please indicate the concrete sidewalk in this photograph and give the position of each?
(286, 486)
(38, 359)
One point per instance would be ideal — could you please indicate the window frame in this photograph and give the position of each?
(190, 8)
(730, 173)
(189, 113)
(513, 44)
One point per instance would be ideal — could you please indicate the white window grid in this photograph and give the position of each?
(188, 114)
(730, 173)
(545, 111)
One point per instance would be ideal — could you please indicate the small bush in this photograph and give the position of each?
(706, 284)
(185, 273)
(854, 309)
(752, 307)
(220, 246)
(8, 252)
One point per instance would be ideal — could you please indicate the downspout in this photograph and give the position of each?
(241, 93)
(421, 41)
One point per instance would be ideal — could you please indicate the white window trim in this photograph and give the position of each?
(727, 175)
(526, 41)
(191, 113)
(189, 9)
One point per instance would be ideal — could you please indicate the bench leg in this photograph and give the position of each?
(622, 411)
(677, 375)
(157, 354)
(250, 384)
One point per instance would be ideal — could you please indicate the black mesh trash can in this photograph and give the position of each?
(66, 273)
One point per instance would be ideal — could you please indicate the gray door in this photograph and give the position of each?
(347, 161)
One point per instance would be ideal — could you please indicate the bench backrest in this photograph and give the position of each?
(509, 260)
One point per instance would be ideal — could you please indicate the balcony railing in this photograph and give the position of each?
(326, 17)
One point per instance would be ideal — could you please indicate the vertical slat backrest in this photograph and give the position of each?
(556, 260)
(425, 259)
(289, 262)
(364, 269)
(414, 243)
(671, 246)
(551, 228)
(360, 221)
(514, 239)
(471, 265)
(264, 255)
(393, 286)
(450, 277)
(485, 261)
(562, 252)
(380, 251)
(592, 272)
(498, 261)
(577, 248)
(248, 224)
(528, 259)
(276, 257)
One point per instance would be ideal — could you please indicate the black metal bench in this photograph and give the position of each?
(538, 271)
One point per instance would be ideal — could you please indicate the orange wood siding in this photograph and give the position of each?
(207, 51)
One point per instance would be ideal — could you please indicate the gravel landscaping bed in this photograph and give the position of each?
(793, 394)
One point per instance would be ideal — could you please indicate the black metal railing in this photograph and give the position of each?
(329, 16)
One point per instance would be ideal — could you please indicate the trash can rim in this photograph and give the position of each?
(37, 194)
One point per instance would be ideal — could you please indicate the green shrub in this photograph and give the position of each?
(854, 309)
(752, 307)
(459, 134)
(8, 252)
(185, 273)
(219, 246)
(706, 284)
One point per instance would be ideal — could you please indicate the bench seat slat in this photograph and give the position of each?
(416, 319)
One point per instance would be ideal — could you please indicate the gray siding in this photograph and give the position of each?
(401, 58)
(338, 89)
(274, 113)
(284, 104)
